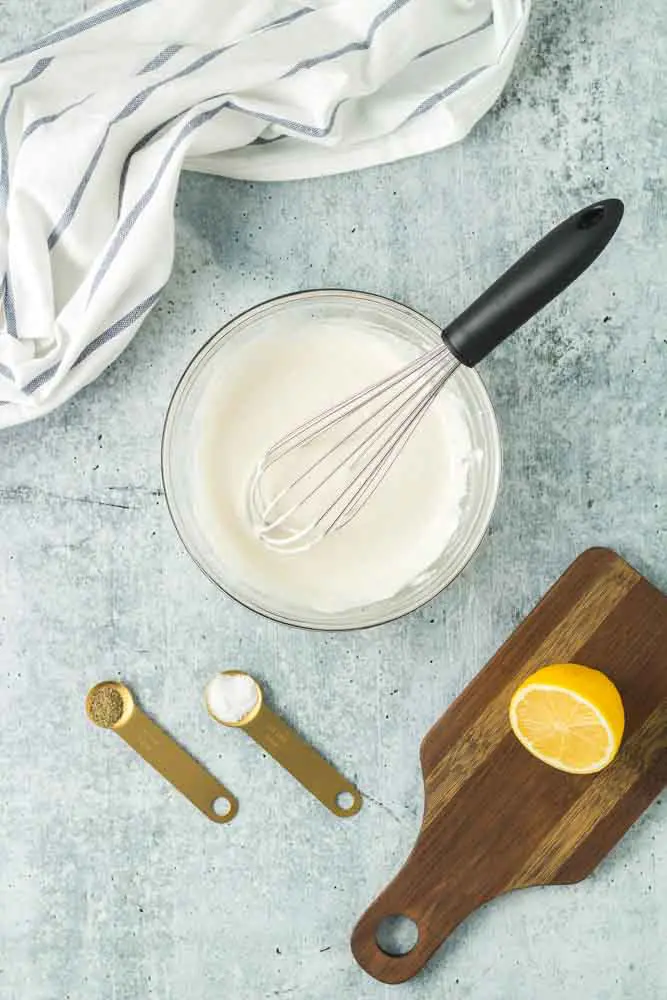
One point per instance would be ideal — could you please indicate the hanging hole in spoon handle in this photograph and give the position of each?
(536, 278)
(348, 802)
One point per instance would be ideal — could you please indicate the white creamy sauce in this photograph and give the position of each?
(266, 385)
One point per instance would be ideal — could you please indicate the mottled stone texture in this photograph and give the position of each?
(112, 886)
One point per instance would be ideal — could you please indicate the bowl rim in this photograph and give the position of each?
(275, 616)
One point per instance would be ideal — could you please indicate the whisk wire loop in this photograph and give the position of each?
(345, 460)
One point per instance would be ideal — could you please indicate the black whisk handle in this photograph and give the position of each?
(536, 278)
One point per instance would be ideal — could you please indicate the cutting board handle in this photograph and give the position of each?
(405, 896)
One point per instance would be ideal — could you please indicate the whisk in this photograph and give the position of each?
(318, 477)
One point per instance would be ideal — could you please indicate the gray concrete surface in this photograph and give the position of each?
(111, 886)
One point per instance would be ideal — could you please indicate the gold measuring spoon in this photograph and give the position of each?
(112, 706)
(235, 699)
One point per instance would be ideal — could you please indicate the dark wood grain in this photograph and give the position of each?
(495, 818)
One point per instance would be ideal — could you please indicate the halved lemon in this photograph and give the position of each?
(570, 717)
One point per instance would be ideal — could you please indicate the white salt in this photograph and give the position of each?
(230, 697)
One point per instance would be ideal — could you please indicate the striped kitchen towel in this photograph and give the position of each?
(98, 118)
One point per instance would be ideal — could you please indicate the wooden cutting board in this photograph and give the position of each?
(496, 818)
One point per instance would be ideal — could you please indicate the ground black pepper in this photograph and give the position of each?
(105, 707)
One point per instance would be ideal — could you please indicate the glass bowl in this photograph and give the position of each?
(179, 447)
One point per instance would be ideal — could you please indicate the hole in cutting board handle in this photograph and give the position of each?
(396, 935)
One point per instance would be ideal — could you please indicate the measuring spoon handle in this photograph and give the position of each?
(176, 765)
(303, 762)
(536, 278)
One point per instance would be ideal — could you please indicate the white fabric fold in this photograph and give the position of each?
(98, 118)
